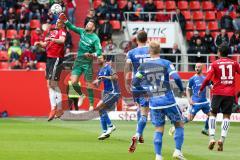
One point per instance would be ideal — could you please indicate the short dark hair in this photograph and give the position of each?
(223, 49)
(142, 36)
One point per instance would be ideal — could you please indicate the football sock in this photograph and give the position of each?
(212, 127)
(77, 88)
(185, 120)
(103, 123)
(58, 97)
(138, 114)
(179, 137)
(225, 127)
(107, 119)
(158, 142)
(90, 96)
(141, 125)
(206, 127)
(52, 98)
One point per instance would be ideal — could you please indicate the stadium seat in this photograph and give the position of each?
(194, 5)
(187, 15)
(170, 5)
(189, 26)
(210, 16)
(3, 56)
(189, 35)
(233, 15)
(101, 21)
(104, 43)
(159, 5)
(207, 5)
(96, 3)
(197, 15)
(41, 66)
(201, 25)
(213, 26)
(21, 33)
(183, 5)
(230, 34)
(11, 33)
(214, 34)
(4, 65)
(3, 33)
(122, 3)
(34, 23)
(115, 24)
(220, 14)
(202, 33)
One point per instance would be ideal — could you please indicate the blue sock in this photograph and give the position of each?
(106, 117)
(179, 137)
(158, 142)
(206, 124)
(103, 123)
(141, 124)
(185, 120)
(138, 114)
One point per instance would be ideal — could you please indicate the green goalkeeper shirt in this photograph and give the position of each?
(89, 42)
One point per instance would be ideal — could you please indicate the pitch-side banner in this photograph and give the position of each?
(165, 33)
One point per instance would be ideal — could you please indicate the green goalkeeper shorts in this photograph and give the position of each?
(85, 68)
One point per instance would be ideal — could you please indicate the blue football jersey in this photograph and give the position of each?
(137, 56)
(194, 84)
(156, 72)
(109, 85)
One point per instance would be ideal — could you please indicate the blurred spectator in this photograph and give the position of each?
(149, 7)
(208, 40)
(221, 38)
(23, 19)
(105, 31)
(179, 17)
(109, 50)
(227, 22)
(11, 19)
(129, 8)
(2, 19)
(27, 56)
(71, 5)
(2, 42)
(91, 16)
(113, 10)
(36, 36)
(35, 10)
(14, 52)
(235, 42)
(102, 10)
(176, 54)
(236, 22)
(193, 40)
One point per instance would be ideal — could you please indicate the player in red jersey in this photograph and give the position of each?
(222, 73)
(54, 45)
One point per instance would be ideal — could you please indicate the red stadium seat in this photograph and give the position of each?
(3, 33)
(96, 3)
(3, 56)
(202, 33)
(201, 25)
(194, 5)
(34, 23)
(204, 68)
(101, 21)
(230, 34)
(197, 15)
(115, 24)
(186, 14)
(122, 3)
(4, 65)
(207, 5)
(220, 14)
(189, 26)
(189, 35)
(214, 34)
(104, 43)
(210, 16)
(183, 5)
(170, 5)
(41, 66)
(159, 5)
(11, 33)
(213, 26)
(233, 14)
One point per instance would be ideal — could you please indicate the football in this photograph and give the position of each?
(56, 9)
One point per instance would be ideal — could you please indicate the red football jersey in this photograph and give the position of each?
(222, 73)
(55, 50)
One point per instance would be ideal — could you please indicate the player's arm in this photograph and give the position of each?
(128, 72)
(173, 74)
(60, 40)
(207, 80)
(41, 44)
(113, 75)
(188, 88)
(138, 90)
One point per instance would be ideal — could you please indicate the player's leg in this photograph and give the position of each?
(88, 74)
(206, 110)
(103, 122)
(53, 103)
(227, 111)
(175, 115)
(75, 103)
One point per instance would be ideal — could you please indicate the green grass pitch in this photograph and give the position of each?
(36, 139)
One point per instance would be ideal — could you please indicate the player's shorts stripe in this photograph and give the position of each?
(172, 72)
(179, 112)
(55, 68)
(206, 102)
(162, 107)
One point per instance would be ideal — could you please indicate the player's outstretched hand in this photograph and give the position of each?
(63, 17)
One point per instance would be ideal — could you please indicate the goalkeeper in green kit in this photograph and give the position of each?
(88, 49)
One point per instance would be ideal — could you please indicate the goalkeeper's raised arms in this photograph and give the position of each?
(63, 17)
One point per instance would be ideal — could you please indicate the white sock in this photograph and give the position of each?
(52, 98)
(58, 97)
(225, 127)
(158, 157)
(212, 126)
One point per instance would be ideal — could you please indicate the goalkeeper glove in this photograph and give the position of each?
(63, 17)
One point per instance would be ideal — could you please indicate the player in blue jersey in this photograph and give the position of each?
(198, 102)
(111, 94)
(135, 57)
(157, 73)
